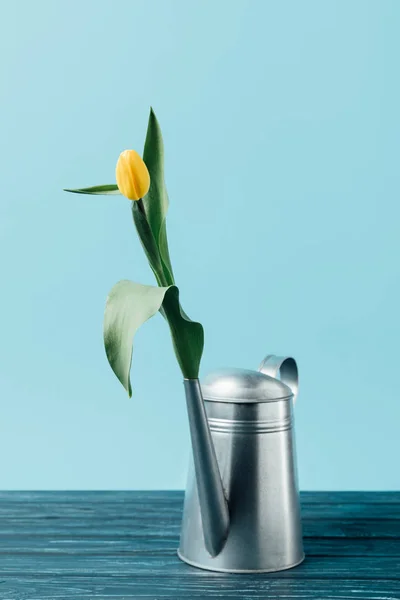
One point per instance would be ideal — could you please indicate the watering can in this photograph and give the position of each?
(242, 508)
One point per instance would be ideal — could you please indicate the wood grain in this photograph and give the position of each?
(109, 545)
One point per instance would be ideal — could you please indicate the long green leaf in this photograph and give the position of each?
(105, 190)
(128, 306)
(156, 200)
(164, 253)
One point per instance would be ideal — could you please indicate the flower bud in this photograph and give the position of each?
(133, 178)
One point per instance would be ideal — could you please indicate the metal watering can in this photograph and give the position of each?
(242, 507)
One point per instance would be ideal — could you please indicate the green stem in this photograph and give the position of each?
(148, 242)
(141, 207)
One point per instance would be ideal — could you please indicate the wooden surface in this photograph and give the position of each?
(120, 545)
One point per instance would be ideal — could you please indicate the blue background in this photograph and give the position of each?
(281, 125)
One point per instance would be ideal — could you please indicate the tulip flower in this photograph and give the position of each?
(133, 178)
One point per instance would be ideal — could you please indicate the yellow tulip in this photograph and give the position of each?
(133, 179)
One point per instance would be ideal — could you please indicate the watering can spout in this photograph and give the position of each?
(213, 504)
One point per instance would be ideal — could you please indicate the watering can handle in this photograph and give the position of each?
(287, 368)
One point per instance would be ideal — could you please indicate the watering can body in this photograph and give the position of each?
(252, 523)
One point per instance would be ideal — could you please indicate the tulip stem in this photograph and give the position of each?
(141, 207)
(148, 242)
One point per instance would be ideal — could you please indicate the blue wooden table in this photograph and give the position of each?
(120, 545)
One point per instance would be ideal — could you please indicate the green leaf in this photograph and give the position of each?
(105, 190)
(156, 200)
(187, 335)
(128, 306)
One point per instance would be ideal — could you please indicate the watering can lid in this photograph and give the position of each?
(243, 386)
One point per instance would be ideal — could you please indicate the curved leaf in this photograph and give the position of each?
(128, 306)
(105, 190)
(131, 304)
(156, 200)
